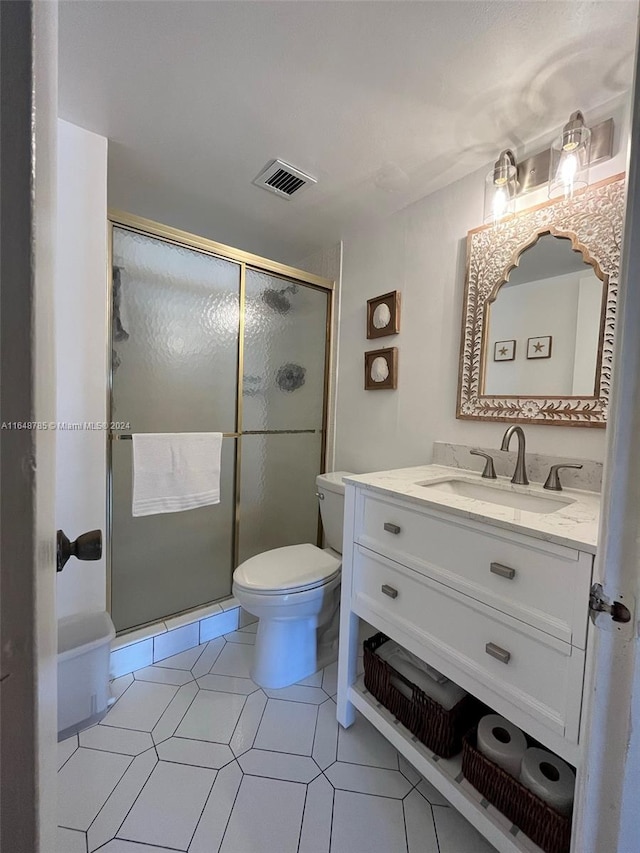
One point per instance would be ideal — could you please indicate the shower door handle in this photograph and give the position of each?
(85, 547)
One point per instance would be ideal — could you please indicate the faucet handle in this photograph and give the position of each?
(553, 480)
(489, 472)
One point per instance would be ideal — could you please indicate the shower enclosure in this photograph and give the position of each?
(209, 339)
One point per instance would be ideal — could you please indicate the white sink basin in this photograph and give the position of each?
(495, 494)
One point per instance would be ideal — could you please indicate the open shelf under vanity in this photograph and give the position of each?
(444, 774)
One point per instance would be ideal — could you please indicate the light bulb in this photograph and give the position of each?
(570, 158)
(500, 203)
(568, 172)
(500, 188)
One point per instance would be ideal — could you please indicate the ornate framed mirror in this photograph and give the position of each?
(538, 319)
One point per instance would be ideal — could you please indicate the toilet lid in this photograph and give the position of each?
(286, 568)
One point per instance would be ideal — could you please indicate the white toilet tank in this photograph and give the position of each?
(331, 489)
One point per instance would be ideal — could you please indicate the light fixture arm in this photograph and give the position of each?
(576, 119)
(572, 131)
(501, 166)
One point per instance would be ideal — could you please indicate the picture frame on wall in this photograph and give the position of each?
(504, 350)
(381, 369)
(539, 347)
(383, 315)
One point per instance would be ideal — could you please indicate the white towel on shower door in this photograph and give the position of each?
(173, 472)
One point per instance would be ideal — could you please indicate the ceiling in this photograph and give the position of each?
(382, 102)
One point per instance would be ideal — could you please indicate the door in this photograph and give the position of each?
(203, 342)
(607, 803)
(174, 369)
(283, 411)
(28, 689)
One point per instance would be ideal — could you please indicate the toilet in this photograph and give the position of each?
(295, 593)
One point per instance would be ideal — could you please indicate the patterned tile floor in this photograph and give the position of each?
(194, 756)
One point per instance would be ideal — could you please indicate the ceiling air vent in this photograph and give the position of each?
(283, 180)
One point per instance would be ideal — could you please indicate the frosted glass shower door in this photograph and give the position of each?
(285, 348)
(175, 357)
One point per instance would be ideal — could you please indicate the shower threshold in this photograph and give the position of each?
(141, 647)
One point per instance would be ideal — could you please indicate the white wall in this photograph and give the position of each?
(586, 353)
(81, 357)
(533, 309)
(420, 251)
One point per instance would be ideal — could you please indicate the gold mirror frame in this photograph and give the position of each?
(593, 221)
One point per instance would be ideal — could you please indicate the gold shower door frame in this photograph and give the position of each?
(149, 228)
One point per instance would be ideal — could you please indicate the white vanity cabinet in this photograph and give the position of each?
(501, 613)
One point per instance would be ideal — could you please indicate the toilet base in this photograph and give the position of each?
(285, 651)
(294, 630)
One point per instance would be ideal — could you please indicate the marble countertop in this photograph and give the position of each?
(574, 525)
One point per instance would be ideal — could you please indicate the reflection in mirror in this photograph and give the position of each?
(552, 293)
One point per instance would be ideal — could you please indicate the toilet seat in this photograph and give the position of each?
(294, 568)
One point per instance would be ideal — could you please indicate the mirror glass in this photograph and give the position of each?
(544, 326)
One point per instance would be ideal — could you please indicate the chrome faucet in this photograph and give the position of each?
(520, 473)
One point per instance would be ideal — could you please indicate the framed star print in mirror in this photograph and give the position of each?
(383, 315)
(504, 350)
(539, 312)
(539, 347)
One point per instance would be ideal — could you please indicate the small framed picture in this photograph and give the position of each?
(381, 369)
(383, 315)
(504, 350)
(539, 347)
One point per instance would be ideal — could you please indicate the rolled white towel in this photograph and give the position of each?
(392, 649)
(445, 693)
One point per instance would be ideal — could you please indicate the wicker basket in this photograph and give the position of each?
(440, 730)
(545, 826)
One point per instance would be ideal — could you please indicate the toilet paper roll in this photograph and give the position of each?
(502, 742)
(549, 777)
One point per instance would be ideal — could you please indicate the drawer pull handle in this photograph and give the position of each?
(503, 571)
(496, 652)
(389, 590)
(391, 528)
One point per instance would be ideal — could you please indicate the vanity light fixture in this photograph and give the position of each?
(564, 167)
(570, 158)
(501, 188)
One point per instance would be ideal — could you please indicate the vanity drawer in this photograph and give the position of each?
(487, 652)
(538, 582)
